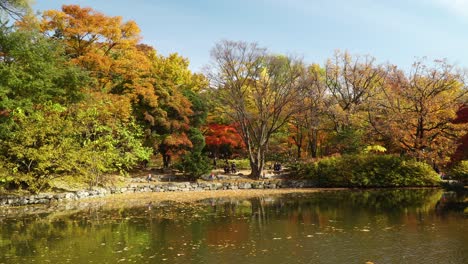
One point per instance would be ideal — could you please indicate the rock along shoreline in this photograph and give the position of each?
(95, 192)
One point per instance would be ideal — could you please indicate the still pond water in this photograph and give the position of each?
(384, 226)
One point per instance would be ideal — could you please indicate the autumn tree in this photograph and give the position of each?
(462, 150)
(49, 127)
(152, 87)
(221, 141)
(415, 110)
(194, 163)
(179, 108)
(352, 81)
(259, 92)
(108, 48)
(307, 125)
(297, 133)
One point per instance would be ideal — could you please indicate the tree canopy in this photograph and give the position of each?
(82, 96)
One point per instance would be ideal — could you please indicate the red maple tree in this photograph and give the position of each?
(462, 150)
(222, 141)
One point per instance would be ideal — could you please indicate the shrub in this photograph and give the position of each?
(194, 165)
(241, 164)
(34, 151)
(460, 172)
(366, 170)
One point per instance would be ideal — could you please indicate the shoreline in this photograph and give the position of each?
(172, 191)
(150, 187)
(142, 199)
(136, 200)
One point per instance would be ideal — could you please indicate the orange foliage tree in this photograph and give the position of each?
(415, 110)
(221, 140)
(129, 74)
(170, 121)
(107, 48)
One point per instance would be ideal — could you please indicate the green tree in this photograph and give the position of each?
(195, 163)
(34, 70)
(39, 146)
(107, 144)
(54, 141)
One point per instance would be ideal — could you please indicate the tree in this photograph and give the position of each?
(34, 70)
(35, 150)
(179, 107)
(51, 124)
(308, 124)
(108, 48)
(462, 150)
(260, 92)
(194, 163)
(297, 133)
(14, 8)
(416, 110)
(54, 141)
(106, 144)
(130, 74)
(352, 83)
(221, 140)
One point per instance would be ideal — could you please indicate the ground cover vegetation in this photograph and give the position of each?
(82, 97)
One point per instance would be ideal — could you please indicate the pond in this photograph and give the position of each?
(382, 226)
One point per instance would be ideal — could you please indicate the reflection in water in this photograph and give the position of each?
(385, 226)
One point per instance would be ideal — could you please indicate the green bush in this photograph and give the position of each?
(194, 165)
(34, 151)
(241, 164)
(367, 170)
(460, 172)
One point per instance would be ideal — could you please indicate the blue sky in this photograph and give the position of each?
(395, 31)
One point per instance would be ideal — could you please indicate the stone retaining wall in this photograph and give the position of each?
(46, 198)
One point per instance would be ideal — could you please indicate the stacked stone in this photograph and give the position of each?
(46, 198)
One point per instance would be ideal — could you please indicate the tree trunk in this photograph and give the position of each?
(257, 168)
(313, 143)
(166, 160)
(257, 163)
(299, 147)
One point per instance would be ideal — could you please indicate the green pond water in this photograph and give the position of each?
(383, 226)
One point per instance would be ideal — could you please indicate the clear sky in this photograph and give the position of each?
(395, 31)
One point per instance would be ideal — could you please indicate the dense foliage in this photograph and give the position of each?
(82, 97)
(460, 172)
(368, 170)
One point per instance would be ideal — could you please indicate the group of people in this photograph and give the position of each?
(230, 169)
(277, 166)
